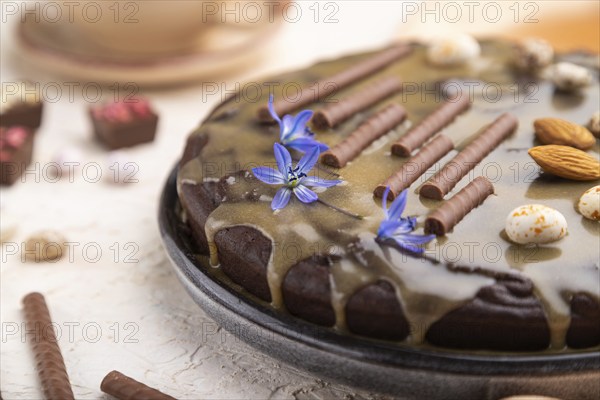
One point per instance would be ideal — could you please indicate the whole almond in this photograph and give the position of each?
(559, 131)
(566, 162)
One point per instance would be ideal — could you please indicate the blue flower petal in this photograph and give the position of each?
(305, 144)
(384, 202)
(308, 160)
(308, 133)
(410, 247)
(412, 221)
(388, 228)
(272, 111)
(398, 205)
(269, 175)
(300, 122)
(315, 181)
(283, 157)
(281, 199)
(287, 128)
(397, 228)
(305, 195)
(413, 239)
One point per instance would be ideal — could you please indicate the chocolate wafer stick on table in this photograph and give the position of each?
(445, 180)
(327, 86)
(125, 388)
(369, 131)
(48, 359)
(430, 125)
(452, 211)
(335, 113)
(416, 166)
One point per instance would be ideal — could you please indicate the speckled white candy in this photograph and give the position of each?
(535, 223)
(569, 77)
(589, 203)
(533, 53)
(453, 50)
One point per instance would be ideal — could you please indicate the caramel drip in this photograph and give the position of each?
(298, 243)
(347, 77)
(49, 361)
(371, 130)
(445, 180)
(336, 113)
(418, 284)
(125, 388)
(433, 123)
(415, 167)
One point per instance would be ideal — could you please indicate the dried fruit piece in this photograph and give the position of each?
(559, 131)
(589, 204)
(535, 223)
(566, 162)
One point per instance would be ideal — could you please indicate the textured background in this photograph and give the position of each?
(134, 316)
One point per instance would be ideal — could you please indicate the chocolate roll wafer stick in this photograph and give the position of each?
(444, 218)
(327, 86)
(125, 388)
(441, 183)
(369, 131)
(433, 123)
(338, 112)
(415, 166)
(49, 361)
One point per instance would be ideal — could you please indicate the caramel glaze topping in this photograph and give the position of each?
(430, 287)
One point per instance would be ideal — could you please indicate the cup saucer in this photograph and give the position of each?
(217, 51)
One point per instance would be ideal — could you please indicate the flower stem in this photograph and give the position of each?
(348, 213)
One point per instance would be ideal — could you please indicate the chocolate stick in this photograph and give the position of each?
(441, 183)
(49, 361)
(415, 166)
(451, 212)
(338, 112)
(327, 86)
(369, 131)
(125, 388)
(433, 123)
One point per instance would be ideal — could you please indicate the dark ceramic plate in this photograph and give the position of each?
(373, 365)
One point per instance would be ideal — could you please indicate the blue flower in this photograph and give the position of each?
(293, 130)
(294, 180)
(397, 228)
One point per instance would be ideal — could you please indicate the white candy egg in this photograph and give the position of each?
(535, 223)
(589, 203)
(569, 77)
(453, 49)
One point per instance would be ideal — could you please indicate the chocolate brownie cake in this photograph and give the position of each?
(441, 136)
